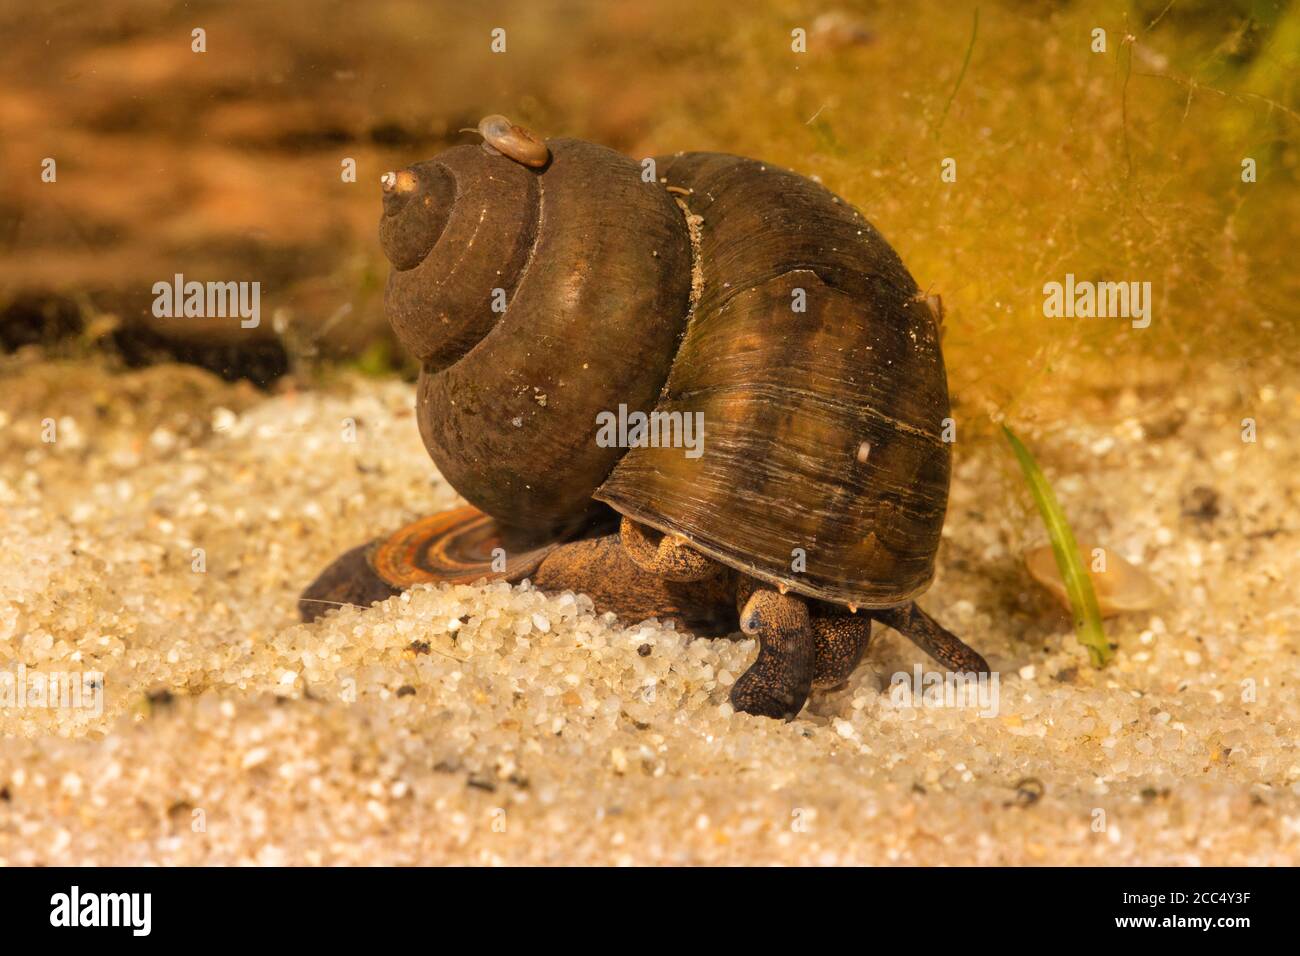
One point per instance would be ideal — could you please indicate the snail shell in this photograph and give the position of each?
(597, 269)
(513, 141)
(1121, 588)
(789, 398)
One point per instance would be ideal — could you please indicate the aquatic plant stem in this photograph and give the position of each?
(1078, 584)
(974, 31)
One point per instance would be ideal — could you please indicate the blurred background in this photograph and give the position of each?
(226, 164)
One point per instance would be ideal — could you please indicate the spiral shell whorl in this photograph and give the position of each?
(417, 204)
(463, 232)
(595, 266)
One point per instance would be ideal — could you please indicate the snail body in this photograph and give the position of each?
(539, 297)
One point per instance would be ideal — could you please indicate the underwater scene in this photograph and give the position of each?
(678, 433)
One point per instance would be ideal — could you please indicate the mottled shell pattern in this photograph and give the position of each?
(542, 284)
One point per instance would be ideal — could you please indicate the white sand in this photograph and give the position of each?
(533, 731)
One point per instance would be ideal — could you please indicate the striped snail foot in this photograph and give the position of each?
(777, 684)
(460, 546)
(349, 582)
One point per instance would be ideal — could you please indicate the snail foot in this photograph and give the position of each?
(349, 582)
(458, 546)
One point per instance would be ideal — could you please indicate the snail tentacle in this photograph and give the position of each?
(933, 638)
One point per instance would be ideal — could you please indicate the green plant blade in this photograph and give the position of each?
(1078, 584)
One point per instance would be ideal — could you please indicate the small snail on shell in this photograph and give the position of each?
(513, 141)
(726, 291)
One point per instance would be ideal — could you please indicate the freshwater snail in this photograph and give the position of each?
(513, 141)
(542, 300)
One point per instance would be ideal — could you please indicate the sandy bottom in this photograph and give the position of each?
(499, 725)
